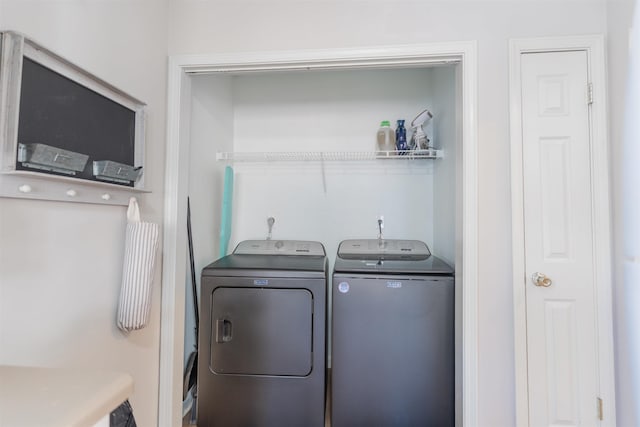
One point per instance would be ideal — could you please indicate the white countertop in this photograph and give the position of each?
(50, 397)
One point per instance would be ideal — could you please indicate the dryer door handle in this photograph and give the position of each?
(224, 330)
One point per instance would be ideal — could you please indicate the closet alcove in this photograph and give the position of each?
(224, 106)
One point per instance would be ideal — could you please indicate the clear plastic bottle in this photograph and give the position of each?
(386, 137)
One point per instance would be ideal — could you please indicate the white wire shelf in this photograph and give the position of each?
(326, 155)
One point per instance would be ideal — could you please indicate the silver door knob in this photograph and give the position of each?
(540, 279)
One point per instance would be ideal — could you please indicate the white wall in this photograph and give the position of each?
(198, 27)
(210, 132)
(624, 90)
(61, 263)
(318, 112)
(330, 111)
(447, 186)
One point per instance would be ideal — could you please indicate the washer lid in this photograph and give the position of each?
(387, 249)
(272, 258)
(234, 265)
(388, 257)
(430, 266)
(279, 247)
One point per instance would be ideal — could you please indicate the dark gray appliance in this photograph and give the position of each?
(262, 336)
(392, 336)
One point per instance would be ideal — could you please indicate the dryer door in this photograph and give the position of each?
(261, 331)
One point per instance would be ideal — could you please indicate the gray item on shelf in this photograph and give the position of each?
(46, 157)
(107, 170)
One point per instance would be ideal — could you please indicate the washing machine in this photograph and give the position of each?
(262, 336)
(392, 336)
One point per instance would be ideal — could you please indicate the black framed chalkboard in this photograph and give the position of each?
(59, 112)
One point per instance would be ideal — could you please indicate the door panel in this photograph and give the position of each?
(258, 331)
(555, 204)
(562, 374)
(561, 332)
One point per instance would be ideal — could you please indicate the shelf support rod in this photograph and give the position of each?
(324, 175)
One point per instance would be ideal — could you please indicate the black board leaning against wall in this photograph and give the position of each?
(59, 112)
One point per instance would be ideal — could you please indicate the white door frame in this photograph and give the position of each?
(176, 186)
(594, 46)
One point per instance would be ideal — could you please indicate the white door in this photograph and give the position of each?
(559, 254)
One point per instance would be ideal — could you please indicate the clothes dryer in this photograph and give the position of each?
(262, 336)
(392, 336)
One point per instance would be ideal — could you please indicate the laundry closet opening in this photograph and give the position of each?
(281, 113)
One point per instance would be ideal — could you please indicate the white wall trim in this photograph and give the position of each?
(176, 185)
(594, 47)
(470, 248)
(172, 315)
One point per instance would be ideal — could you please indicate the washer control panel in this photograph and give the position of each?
(383, 248)
(280, 247)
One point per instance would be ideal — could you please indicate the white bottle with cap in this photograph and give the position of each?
(386, 137)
